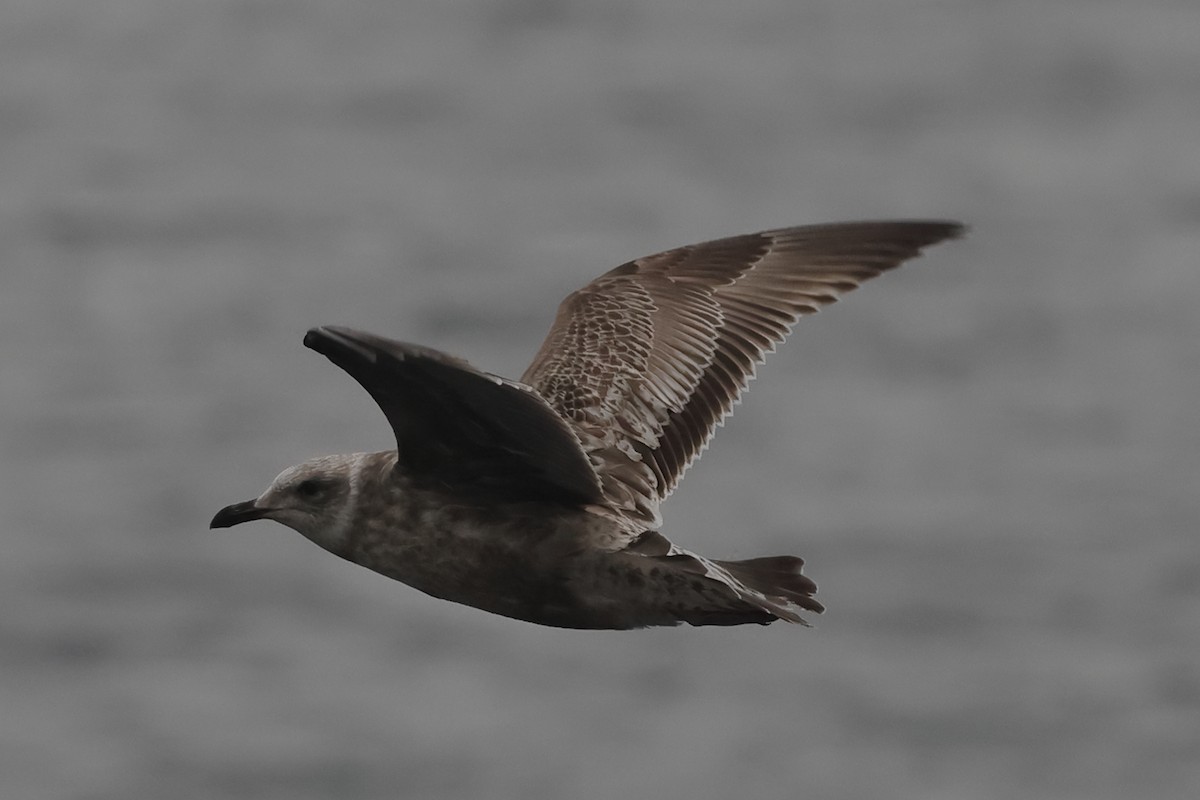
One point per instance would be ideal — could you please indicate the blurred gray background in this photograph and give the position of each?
(989, 459)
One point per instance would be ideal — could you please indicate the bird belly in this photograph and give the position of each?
(515, 561)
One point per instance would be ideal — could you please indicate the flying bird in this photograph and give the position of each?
(539, 499)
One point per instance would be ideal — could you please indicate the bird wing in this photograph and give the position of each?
(646, 360)
(456, 425)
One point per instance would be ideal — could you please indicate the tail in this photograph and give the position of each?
(757, 590)
(775, 584)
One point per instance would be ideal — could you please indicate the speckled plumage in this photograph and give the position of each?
(539, 499)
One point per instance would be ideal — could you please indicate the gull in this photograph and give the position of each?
(539, 499)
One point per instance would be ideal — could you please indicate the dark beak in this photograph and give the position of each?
(236, 514)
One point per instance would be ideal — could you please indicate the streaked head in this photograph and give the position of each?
(316, 498)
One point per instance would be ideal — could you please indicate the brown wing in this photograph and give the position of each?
(647, 359)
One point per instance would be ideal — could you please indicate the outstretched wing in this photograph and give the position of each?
(458, 426)
(647, 359)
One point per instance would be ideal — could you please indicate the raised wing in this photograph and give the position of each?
(646, 360)
(456, 425)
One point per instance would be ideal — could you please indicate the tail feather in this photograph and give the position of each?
(758, 590)
(779, 583)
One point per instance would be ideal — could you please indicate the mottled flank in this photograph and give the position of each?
(540, 499)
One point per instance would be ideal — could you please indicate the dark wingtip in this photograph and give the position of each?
(932, 231)
(929, 232)
(321, 337)
(956, 229)
(338, 343)
(312, 339)
(329, 340)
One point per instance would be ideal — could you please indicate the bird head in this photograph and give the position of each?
(315, 498)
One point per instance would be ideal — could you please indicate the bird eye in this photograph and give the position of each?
(308, 488)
